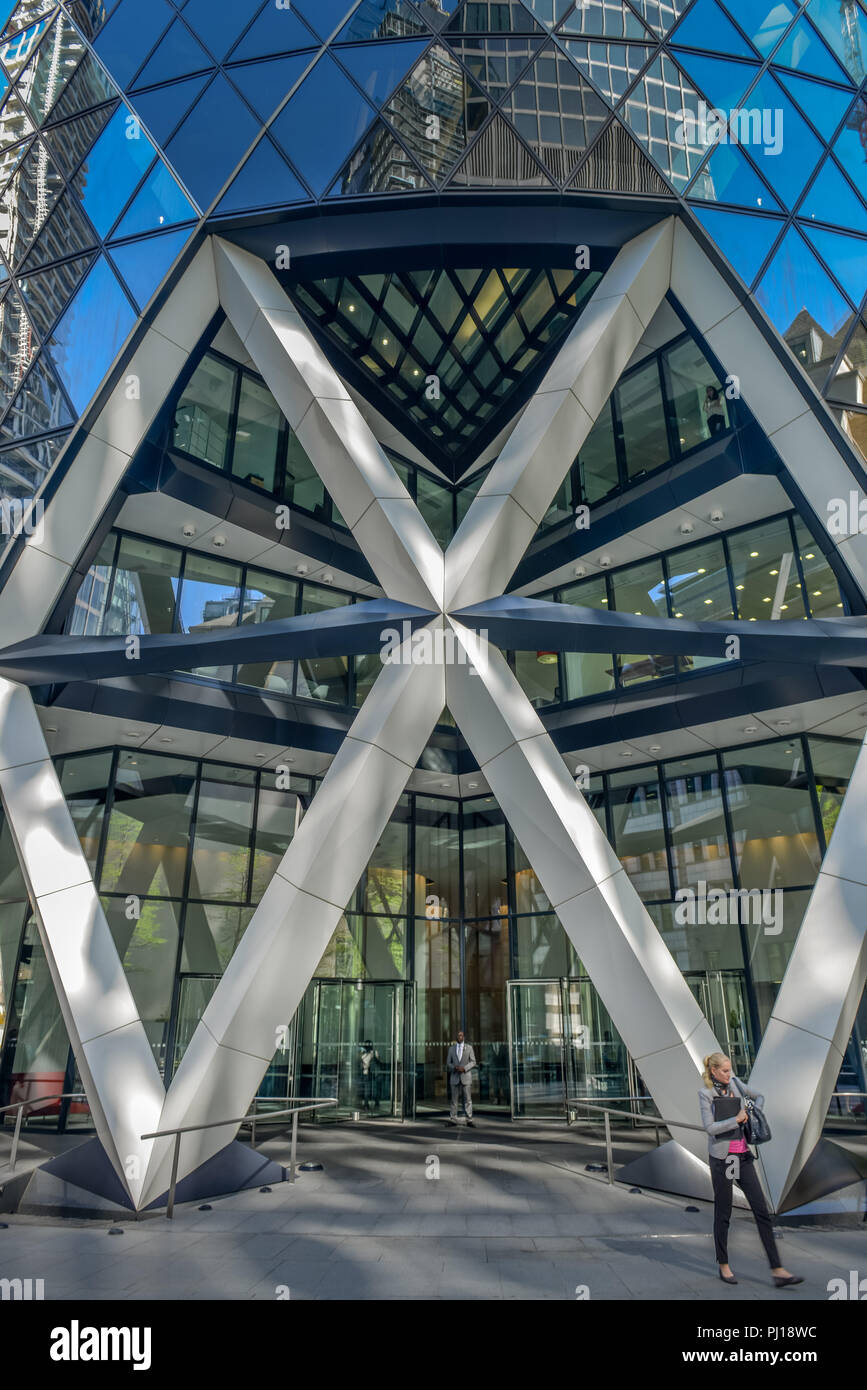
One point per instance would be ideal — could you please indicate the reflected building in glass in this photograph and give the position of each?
(439, 191)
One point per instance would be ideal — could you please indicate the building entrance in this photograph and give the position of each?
(562, 1044)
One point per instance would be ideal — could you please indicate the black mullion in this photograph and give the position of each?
(112, 580)
(229, 459)
(802, 577)
(814, 794)
(749, 987)
(611, 607)
(7, 1053)
(299, 601)
(731, 576)
(619, 441)
(106, 816)
(248, 895)
(666, 827)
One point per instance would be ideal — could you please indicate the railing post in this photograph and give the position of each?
(170, 1204)
(294, 1145)
(609, 1157)
(16, 1136)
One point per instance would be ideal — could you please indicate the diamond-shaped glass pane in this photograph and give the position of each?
(608, 18)
(661, 15)
(27, 200)
(50, 70)
(729, 178)
(493, 17)
(744, 240)
(178, 54)
(499, 158)
(706, 26)
(47, 294)
(39, 407)
(658, 110)
(144, 263)
(615, 162)
(327, 103)
(496, 63)
(556, 111)
(381, 19)
(610, 66)
(831, 198)
(131, 32)
(764, 21)
(844, 28)
(69, 143)
(803, 50)
(87, 339)
(380, 164)
(799, 298)
(437, 111)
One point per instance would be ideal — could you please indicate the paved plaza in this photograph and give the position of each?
(421, 1211)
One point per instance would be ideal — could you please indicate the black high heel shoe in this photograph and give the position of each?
(784, 1281)
(730, 1278)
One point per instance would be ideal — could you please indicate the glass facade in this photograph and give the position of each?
(449, 914)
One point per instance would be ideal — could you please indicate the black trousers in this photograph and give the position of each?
(747, 1180)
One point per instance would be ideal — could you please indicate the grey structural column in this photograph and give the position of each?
(121, 1078)
(805, 1040)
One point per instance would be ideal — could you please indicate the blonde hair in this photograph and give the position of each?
(714, 1060)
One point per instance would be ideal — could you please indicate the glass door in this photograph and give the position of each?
(562, 1044)
(537, 1049)
(359, 1041)
(720, 995)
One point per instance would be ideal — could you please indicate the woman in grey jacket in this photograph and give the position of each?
(731, 1162)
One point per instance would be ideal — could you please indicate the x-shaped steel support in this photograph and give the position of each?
(616, 939)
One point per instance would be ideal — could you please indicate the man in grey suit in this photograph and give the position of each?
(460, 1063)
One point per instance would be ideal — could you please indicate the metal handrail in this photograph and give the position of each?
(20, 1106)
(655, 1120)
(316, 1103)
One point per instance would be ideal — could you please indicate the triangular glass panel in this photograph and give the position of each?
(266, 85)
(40, 405)
(144, 264)
(797, 294)
(27, 200)
(328, 103)
(763, 21)
(846, 382)
(88, 86)
(50, 70)
(17, 50)
(722, 82)
(88, 16)
(843, 26)
(615, 163)
(379, 67)
(69, 143)
(785, 149)
(162, 110)
(495, 63)
(159, 203)
(275, 31)
(20, 16)
(661, 15)
(47, 295)
(831, 198)
(803, 50)
(743, 239)
(89, 335)
(607, 19)
(556, 111)
(654, 111)
(437, 13)
(218, 26)
(179, 55)
(112, 170)
(728, 177)
(66, 232)
(132, 30)
(611, 67)
(498, 157)
(15, 120)
(10, 159)
(382, 19)
(379, 165)
(825, 106)
(265, 181)
(847, 258)
(437, 111)
(18, 345)
(30, 464)
(325, 17)
(211, 142)
(707, 27)
(493, 17)
(549, 12)
(849, 145)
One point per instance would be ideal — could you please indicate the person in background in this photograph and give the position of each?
(460, 1063)
(714, 411)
